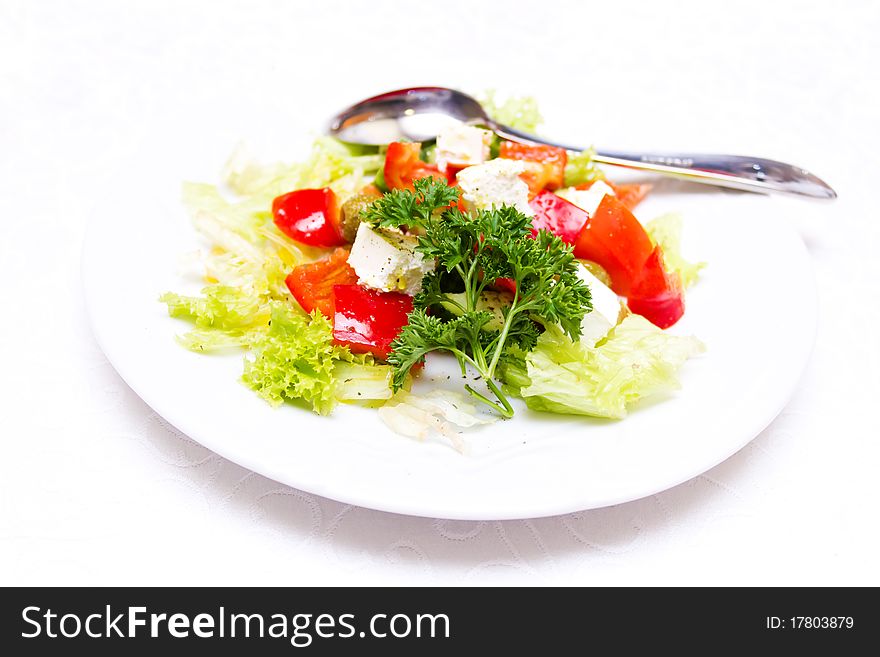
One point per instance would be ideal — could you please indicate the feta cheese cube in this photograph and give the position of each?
(495, 183)
(587, 199)
(606, 307)
(385, 259)
(462, 146)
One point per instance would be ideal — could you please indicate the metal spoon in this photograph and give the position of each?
(420, 113)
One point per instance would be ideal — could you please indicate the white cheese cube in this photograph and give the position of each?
(462, 146)
(495, 183)
(587, 199)
(606, 307)
(385, 259)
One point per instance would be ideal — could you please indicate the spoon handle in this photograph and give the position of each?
(753, 174)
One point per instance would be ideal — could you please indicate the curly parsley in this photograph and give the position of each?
(472, 252)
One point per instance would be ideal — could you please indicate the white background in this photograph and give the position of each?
(96, 489)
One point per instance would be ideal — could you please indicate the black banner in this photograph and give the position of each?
(400, 621)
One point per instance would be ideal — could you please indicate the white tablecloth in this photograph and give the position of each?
(96, 489)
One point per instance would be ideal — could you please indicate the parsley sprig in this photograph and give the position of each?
(472, 250)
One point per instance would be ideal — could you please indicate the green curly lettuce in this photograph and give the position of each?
(295, 360)
(246, 304)
(224, 315)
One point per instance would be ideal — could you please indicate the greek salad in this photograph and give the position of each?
(343, 276)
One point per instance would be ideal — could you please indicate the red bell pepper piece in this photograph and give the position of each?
(555, 214)
(615, 240)
(367, 321)
(310, 216)
(403, 166)
(657, 294)
(550, 160)
(312, 285)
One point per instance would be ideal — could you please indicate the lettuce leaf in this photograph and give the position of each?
(362, 381)
(223, 316)
(246, 265)
(242, 234)
(237, 301)
(293, 360)
(221, 306)
(665, 231)
(582, 169)
(290, 356)
(635, 360)
(296, 360)
(207, 340)
(331, 163)
(518, 112)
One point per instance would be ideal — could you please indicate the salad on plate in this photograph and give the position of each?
(345, 276)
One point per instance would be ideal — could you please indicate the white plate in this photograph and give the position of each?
(754, 308)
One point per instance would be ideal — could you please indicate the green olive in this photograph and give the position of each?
(351, 214)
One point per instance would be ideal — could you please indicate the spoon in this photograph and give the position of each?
(421, 113)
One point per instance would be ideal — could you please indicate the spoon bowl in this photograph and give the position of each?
(421, 113)
(416, 114)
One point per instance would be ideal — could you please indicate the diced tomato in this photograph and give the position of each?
(657, 295)
(555, 214)
(310, 216)
(551, 161)
(615, 240)
(312, 285)
(460, 204)
(403, 166)
(506, 284)
(630, 194)
(367, 321)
